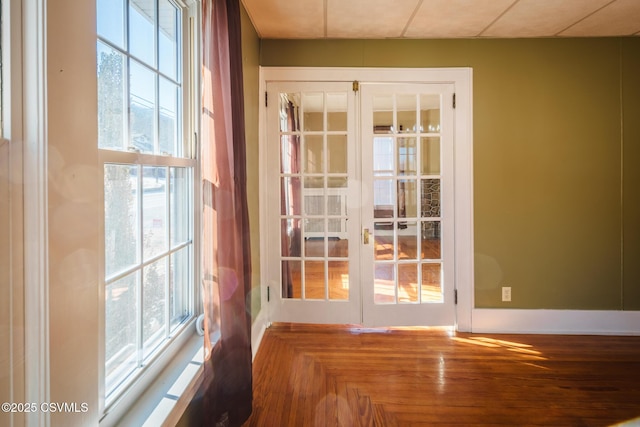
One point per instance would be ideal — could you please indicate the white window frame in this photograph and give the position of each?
(125, 397)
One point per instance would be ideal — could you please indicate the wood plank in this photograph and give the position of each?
(348, 375)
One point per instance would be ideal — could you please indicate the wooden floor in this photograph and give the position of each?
(306, 375)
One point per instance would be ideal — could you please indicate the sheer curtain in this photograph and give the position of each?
(226, 257)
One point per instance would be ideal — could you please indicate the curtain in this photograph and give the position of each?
(226, 257)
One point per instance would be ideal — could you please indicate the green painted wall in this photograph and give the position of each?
(556, 144)
(631, 172)
(251, 81)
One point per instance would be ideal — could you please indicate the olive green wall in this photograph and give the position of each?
(631, 171)
(556, 144)
(251, 77)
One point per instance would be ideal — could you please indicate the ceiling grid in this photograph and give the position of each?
(425, 19)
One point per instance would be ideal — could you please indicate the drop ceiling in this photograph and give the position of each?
(424, 19)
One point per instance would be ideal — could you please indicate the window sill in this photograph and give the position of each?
(165, 399)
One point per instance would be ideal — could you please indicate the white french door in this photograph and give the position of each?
(359, 208)
(407, 212)
(313, 214)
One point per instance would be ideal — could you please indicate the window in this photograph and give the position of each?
(144, 121)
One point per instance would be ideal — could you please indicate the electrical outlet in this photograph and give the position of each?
(506, 293)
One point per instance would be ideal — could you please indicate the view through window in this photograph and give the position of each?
(148, 182)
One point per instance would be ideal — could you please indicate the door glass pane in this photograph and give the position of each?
(431, 287)
(339, 182)
(314, 203)
(338, 248)
(383, 241)
(430, 113)
(121, 313)
(317, 153)
(384, 287)
(142, 18)
(291, 279)
(289, 112)
(407, 156)
(314, 154)
(290, 201)
(338, 280)
(153, 304)
(111, 104)
(314, 283)
(383, 114)
(154, 211)
(430, 148)
(290, 237)
(407, 198)
(314, 237)
(313, 107)
(337, 153)
(337, 111)
(289, 154)
(121, 218)
(431, 240)
(383, 198)
(334, 207)
(383, 163)
(430, 195)
(408, 282)
(407, 109)
(408, 241)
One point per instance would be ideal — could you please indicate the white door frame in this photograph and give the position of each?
(461, 78)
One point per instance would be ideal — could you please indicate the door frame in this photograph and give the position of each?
(461, 78)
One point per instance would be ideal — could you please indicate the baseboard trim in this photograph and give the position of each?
(571, 322)
(257, 332)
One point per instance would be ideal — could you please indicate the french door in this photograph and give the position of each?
(313, 214)
(407, 215)
(359, 203)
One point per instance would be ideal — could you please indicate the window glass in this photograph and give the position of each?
(111, 93)
(168, 38)
(142, 19)
(148, 185)
(110, 23)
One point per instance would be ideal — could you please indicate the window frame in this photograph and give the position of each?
(113, 406)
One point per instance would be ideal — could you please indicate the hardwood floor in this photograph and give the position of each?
(311, 375)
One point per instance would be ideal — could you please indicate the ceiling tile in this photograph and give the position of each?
(455, 18)
(620, 18)
(286, 18)
(542, 18)
(368, 18)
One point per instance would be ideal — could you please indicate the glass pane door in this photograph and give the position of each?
(312, 163)
(407, 166)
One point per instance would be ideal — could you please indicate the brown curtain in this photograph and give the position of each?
(226, 257)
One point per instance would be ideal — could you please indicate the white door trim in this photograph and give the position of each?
(461, 78)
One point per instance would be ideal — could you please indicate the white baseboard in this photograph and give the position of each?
(257, 331)
(572, 322)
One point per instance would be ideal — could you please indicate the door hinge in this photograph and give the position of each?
(356, 85)
(266, 99)
(454, 100)
(268, 293)
(455, 296)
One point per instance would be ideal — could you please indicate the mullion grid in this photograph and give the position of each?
(139, 267)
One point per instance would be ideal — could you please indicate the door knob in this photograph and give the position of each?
(365, 236)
